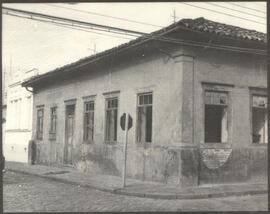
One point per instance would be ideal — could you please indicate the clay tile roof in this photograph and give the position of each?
(203, 25)
(200, 25)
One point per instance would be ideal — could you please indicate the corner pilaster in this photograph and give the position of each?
(188, 155)
(186, 64)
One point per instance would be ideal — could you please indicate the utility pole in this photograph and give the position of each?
(125, 151)
(174, 16)
(10, 64)
(125, 124)
(93, 49)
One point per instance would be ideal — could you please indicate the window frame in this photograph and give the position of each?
(87, 101)
(262, 92)
(144, 142)
(52, 133)
(219, 88)
(216, 105)
(40, 136)
(109, 96)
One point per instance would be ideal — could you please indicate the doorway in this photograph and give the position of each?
(69, 135)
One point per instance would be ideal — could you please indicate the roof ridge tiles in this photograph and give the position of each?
(234, 30)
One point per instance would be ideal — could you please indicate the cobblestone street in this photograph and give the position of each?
(27, 193)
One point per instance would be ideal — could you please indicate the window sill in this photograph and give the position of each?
(18, 130)
(52, 136)
(259, 144)
(88, 142)
(216, 145)
(38, 141)
(110, 142)
(144, 144)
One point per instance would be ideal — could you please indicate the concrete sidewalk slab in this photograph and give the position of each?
(113, 184)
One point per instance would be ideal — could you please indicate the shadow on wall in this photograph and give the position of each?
(151, 164)
(96, 162)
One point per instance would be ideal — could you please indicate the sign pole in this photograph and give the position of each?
(125, 151)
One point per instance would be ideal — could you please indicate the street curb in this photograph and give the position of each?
(147, 195)
(64, 181)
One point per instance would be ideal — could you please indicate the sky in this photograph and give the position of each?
(29, 44)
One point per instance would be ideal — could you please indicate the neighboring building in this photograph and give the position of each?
(4, 103)
(199, 112)
(19, 117)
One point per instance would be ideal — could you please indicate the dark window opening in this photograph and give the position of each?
(259, 120)
(216, 117)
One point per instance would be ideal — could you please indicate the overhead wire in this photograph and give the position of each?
(103, 15)
(71, 26)
(166, 39)
(93, 25)
(262, 17)
(260, 11)
(218, 12)
(84, 30)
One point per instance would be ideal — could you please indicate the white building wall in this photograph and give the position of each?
(19, 119)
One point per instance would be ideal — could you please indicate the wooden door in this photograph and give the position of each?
(69, 135)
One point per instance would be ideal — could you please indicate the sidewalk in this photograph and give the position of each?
(113, 184)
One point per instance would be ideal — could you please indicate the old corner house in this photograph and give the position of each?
(196, 91)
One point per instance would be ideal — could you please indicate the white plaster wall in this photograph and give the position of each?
(18, 124)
